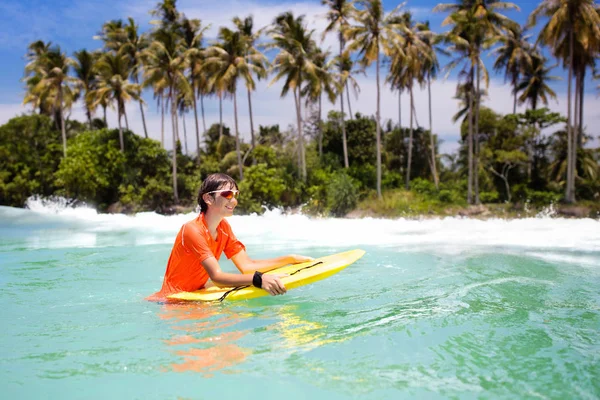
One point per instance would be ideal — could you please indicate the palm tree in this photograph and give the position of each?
(86, 75)
(193, 33)
(513, 57)
(326, 83)
(374, 32)
(294, 61)
(164, 69)
(339, 14)
(226, 62)
(346, 79)
(410, 65)
(36, 52)
(534, 82)
(246, 28)
(134, 46)
(569, 21)
(431, 67)
(113, 85)
(113, 35)
(54, 87)
(475, 24)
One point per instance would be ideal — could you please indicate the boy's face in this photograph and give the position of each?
(221, 204)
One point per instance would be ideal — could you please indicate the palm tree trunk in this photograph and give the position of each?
(142, 110)
(399, 108)
(237, 135)
(177, 128)
(62, 121)
(120, 129)
(174, 136)
(514, 85)
(197, 128)
(298, 127)
(143, 120)
(348, 97)
(344, 141)
(301, 162)
(431, 138)
(301, 133)
(476, 158)
(104, 115)
(344, 138)
(126, 120)
(378, 131)
(88, 113)
(202, 109)
(320, 127)
(220, 116)
(410, 140)
(251, 121)
(581, 97)
(414, 111)
(184, 133)
(569, 195)
(162, 121)
(470, 144)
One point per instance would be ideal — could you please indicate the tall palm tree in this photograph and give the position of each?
(134, 46)
(346, 76)
(246, 28)
(294, 62)
(411, 65)
(54, 87)
(193, 33)
(475, 23)
(36, 52)
(86, 75)
(226, 63)
(431, 68)
(113, 85)
(513, 57)
(534, 82)
(569, 21)
(113, 35)
(339, 14)
(326, 83)
(164, 70)
(375, 32)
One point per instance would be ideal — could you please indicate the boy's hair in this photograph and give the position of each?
(211, 183)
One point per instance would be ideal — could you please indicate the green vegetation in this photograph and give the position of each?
(345, 163)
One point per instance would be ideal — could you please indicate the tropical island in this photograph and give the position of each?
(341, 164)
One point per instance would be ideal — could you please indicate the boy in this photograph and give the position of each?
(200, 242)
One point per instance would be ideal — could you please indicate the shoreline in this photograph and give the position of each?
(480, 212)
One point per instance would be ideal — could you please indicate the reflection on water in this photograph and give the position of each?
(206, 340)
(201, 348)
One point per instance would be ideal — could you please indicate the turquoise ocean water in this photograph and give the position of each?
(441, 308)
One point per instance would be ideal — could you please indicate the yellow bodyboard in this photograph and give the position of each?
(299, 275)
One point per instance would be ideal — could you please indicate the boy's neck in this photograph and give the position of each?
(212, 220)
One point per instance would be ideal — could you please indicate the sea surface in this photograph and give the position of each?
(437, 308)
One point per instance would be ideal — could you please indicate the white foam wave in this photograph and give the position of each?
(277, 230)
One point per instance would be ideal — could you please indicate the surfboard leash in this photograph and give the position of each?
(303, 268)
(235, 289)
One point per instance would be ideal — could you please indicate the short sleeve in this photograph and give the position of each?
(195, 242)
(233, 245)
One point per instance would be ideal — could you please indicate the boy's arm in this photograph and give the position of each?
(246, 265)
(270, 283)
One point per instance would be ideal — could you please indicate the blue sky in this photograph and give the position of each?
(72, 25)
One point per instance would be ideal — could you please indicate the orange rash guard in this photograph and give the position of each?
(193, 245)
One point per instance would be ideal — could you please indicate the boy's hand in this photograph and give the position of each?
(300, 259)
(273, 284)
